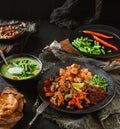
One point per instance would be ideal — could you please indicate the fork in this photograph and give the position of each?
(39, 110)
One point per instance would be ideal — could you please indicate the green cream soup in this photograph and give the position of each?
(21, 68)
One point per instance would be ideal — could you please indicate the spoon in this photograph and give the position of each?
(3, 57)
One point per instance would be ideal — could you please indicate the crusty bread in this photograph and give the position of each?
(12, 118)
(13, 91)
(8, 104)
(17, 95)
(7, 126)
(11, 106)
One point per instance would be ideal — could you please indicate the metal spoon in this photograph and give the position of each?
(3, 57)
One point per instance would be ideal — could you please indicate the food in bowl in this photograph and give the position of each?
(21, 68)
(11, 31)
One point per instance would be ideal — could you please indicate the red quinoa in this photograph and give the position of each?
(95, 94)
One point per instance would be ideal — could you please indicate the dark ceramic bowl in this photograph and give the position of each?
(21, 82)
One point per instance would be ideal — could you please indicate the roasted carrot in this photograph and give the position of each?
(60, 96)
(87, 100)
(97, 34)
(72, 101)
(61, 83)
(45, 89)
(81, 97)
(105, 43)
(81, 93)
(78, 103)
(46, 83)
(52, 88)
(49, 94)
(53, 102)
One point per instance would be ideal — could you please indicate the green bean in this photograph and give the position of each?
(99, 81)
(89, 46)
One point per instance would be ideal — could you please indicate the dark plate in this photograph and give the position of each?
(19, 27)
(52, 73)
(108, 30)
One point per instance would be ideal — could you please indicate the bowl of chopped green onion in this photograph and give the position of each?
(21, 69)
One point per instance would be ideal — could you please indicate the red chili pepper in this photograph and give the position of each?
(97, 34)
(105, 43)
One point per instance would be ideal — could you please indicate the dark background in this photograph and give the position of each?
(41, 9)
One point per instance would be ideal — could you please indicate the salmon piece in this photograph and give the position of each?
(88, 76)
(63, 78)
(74, 70)
(61, 72)
(67, 73)
(75, 66)
(68, 67)
(85, 70)
(70, 78)
(77, 79)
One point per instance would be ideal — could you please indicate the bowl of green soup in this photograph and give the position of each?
(21, 69)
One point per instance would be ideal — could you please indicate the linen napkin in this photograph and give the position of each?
(106, 118)
(17, 45)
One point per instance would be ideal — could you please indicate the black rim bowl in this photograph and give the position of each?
(23, 82)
